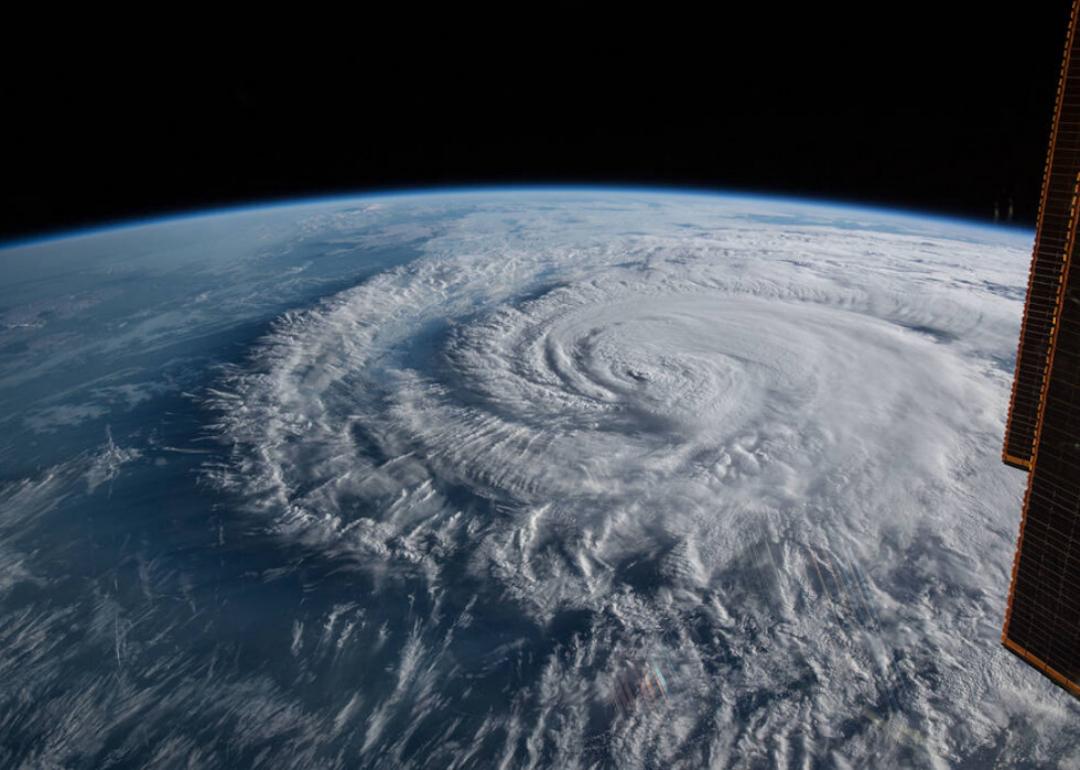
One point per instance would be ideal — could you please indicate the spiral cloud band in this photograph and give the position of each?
(665, 481)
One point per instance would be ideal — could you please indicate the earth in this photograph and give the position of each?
(568, 478)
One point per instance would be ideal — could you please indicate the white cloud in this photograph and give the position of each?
(764, 455)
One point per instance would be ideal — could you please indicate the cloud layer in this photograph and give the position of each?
(755, 454)
(522, 479)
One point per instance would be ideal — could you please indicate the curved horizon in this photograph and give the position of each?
(126, 223)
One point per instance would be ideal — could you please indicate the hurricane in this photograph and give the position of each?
(575, 479)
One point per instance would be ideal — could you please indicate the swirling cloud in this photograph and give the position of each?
(749, 456)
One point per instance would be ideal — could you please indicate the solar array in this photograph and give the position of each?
(1042, 619)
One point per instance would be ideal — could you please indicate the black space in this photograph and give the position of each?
(943, 108)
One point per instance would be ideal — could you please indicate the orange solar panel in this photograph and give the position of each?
(1042, 619)
(1044, 282)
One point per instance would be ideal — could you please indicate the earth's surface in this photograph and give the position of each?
(563, 478)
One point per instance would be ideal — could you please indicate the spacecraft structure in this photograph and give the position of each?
(1042, 436)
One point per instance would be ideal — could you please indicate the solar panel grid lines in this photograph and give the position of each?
(1044, 282)
(1042, 617)
(1042, 614)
